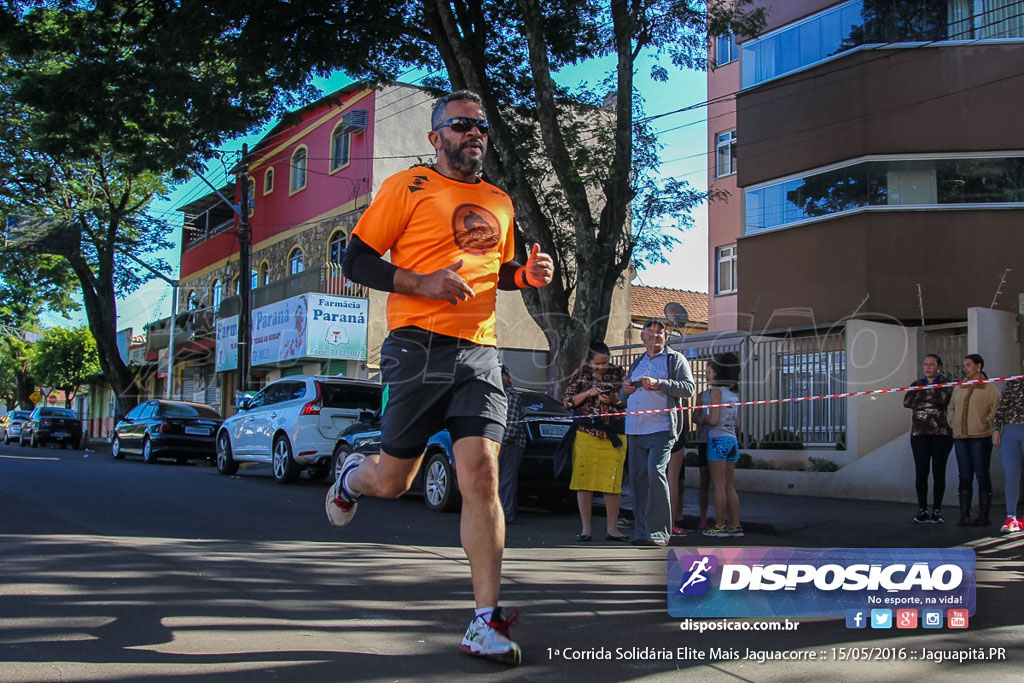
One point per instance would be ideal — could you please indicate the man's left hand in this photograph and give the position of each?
(651, 383)
(540, 268)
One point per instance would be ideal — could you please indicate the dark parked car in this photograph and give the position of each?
(11, 424)
(52, 425)
(437, 480)
(167, 429)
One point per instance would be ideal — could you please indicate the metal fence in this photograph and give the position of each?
(793, 365)
(948, 342)
(327, 279)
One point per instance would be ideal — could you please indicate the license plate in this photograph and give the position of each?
(553, 431)
(198, 431)
(60, 435)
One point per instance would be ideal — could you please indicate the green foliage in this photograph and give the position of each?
(64, 358)
(745, 462)
(821, 465)
(8, 381)
(762, 464)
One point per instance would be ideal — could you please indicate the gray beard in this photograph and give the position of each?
(453, 155)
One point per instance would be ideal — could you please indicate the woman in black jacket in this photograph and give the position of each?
(931, 439)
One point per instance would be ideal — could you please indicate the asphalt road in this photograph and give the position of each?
(119, 570)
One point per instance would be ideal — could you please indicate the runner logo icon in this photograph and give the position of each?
(696, 570)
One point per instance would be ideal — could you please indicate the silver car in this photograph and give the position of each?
(11, 424)
(293, 424)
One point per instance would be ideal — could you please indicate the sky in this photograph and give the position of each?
(684, 140)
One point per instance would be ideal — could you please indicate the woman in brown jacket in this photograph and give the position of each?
(971, 413)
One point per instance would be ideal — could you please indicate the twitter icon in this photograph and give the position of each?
(881, 618)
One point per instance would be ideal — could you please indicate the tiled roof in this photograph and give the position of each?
(649, 302)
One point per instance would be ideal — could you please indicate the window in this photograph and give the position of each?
(726, 49)
(295, 261)
(336, 247)
(268, 181)
(216, 294)
(264, 277)
(299, 162)
(340, 144)
(725, 153)
(192, 302)
(251, 185)
(725, 273)
(886, 184)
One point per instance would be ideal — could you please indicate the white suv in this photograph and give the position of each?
(293, 424)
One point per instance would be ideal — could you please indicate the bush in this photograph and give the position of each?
(762, 464)
(821, 465)
(745, 462)
(782, 439)
(841, 441)
(690, 459)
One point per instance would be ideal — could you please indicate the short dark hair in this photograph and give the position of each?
(597, 348)
(437, 118)
(727, 369)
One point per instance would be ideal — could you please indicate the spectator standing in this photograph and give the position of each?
(723, 449)
(704, 483)
(659, 380)
(931, 440)
(1008, 434)
(512, 445)
(598, 454)
(971, 414)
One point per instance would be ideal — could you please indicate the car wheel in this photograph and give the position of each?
(115, 448)
(225, 463)
(7, 439)
(341, 451)
(286, 470)
(32, 441)
(147, 451)
(439, 488)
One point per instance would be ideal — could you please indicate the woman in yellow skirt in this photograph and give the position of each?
(598, 454)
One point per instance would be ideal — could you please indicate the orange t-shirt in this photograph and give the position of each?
(429, 221)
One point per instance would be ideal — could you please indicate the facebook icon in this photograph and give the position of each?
(855, 618)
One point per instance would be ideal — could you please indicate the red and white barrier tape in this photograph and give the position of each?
(773, 401)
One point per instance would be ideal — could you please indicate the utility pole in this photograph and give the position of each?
(245, 275)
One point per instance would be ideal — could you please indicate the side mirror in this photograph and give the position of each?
(243, 403)
(119, 418)
(366, 416)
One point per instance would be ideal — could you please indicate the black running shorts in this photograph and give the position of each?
(434, 382)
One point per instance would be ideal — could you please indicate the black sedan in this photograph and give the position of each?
(52, 425)
(437, 481)
(167, 429)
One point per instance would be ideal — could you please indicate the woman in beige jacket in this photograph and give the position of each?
(971, 412)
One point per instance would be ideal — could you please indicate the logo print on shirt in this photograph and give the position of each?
(417, 183)
(476, 230)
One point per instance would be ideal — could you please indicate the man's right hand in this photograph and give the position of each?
(445, 284)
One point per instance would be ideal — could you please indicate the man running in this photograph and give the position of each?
(450, 235)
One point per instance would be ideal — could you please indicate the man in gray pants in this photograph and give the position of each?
(658, 380)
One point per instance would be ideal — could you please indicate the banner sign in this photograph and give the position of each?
(817, 582)
(316, 326)
(226, 350)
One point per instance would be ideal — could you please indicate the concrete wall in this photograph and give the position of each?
(879, 356)
(994, 335)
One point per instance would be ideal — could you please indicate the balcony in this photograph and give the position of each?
(327, 279)
(206, 217)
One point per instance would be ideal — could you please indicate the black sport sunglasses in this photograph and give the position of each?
(464, 124)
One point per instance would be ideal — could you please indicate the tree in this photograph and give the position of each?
(29, 285)
(8, 380)
(182, 77)
(64, 359)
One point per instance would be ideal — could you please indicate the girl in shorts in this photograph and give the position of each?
(723, 449)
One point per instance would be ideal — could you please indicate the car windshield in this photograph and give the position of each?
(19, 414)
(58, 412)
(350, 396)
(186, 410)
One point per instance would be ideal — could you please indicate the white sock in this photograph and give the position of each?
(344, 484)
(485, 612)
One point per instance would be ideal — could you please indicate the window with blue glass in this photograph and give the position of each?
(877, 184)
(726, 49)
(851, 25)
